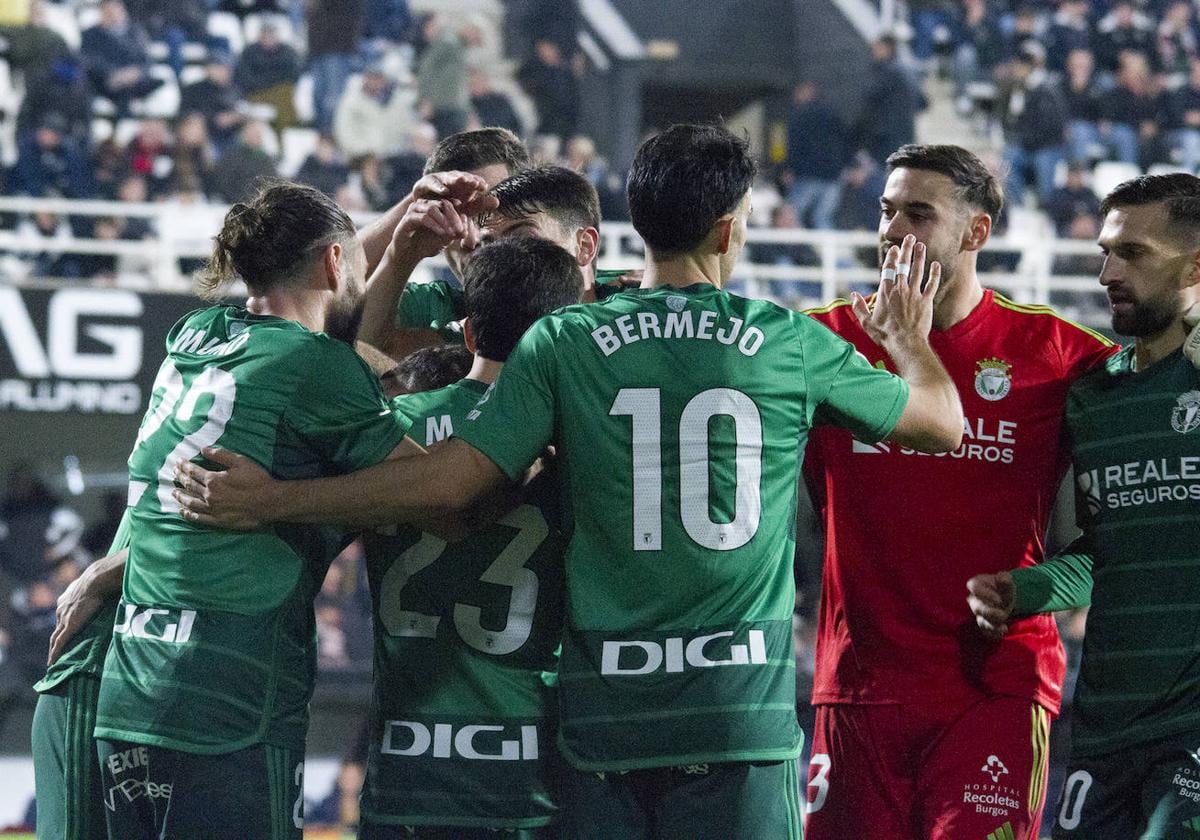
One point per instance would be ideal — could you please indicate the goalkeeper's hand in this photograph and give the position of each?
(1191, 345)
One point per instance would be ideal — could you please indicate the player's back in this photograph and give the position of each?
(466, 644)
(212, 645)
(681, 415)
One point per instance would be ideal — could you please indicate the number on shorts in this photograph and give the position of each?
(507, 570)
(298, 808)
(819, 781)
(1076, 790)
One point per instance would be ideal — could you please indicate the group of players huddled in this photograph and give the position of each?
(580, 552)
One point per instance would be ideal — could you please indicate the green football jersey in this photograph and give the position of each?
(681, 417)
(1136, 444)
(89, 647)
(212, 647)
(466, 638)
(436, 306)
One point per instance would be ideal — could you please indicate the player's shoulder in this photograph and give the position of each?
(423, 403)
(1048, 322)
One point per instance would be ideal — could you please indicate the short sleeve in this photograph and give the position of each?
(431, 306)
(341, 411)
(514, 421)
(846, 390)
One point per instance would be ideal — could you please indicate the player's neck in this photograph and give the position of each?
(305, 308)
(961, 298)
(484, 370)
(682, 271)
(1154, 348)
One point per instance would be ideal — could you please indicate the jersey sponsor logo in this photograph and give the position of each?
(1185, 416)
(624, 330)
(991, 441)
(1187, 783)
(174, 626)
(993, 379)
(474, 742)
(995, 768)
(48, 373)
(635, 658)
(1141, 483)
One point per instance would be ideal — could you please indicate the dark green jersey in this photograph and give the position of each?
(212, 646)
(465, 648)
(680, 417)
(1136, 446)
(436, 306)
(87, 650)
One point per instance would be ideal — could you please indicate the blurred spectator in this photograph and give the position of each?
(1184, 120)
(402, 170)
(117, 61)
(324, 168)
(1129, 112)
(1176, 39)
(550, 82)
(99, 536)
(62, 91)
(217, 98)
(51, 161)
(1123, 29)
(1027, 25)
(373, 116)
(108, 167)
(134, 190)
(267, 72)
(1082, 93)
(442, 77)
(791, 291)
(42, 227)
(980, 47)
(242, 8)
(150, 156)
(1069, 30)
(90, 266)
(862, 184)
(334, 29)
(491, 106)
(556, 21)
(390, 20)
(482, 41)
(818, 148)
(33, 47)
(173, 22)
(1074, 208)
(235, 172)
(582, 157)
(891, 104)
(193, 159)
(1035, 118)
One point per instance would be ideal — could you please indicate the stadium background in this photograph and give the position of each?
(126, 129)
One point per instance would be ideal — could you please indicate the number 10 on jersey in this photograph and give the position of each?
(644, 408)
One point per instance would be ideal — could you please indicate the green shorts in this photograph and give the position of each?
(730, 801)
(66, 773)
(1149, 791)
(153, 793)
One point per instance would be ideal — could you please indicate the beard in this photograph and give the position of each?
(344, 316)
(1142, 318)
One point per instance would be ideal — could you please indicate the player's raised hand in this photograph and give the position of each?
(429, 225)
(991, 599)
(468, 193)
(237, 497)
(903, 307)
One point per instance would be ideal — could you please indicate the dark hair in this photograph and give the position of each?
(976, 186)
(511, 283)
(1179, 191)
(264, 241)
(682, 181)
(562, 194)
(431, 368)
(469, 150)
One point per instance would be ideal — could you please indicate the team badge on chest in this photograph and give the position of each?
(992, 379)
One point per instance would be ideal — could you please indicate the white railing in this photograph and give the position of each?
(185, 232)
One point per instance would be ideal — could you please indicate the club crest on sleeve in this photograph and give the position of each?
(1185, 416)
(993, 379)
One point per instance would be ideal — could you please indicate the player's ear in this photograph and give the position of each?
(1193, 274)
(978, 231)
(724, 233)
(587, 245)
(331, 265)
(468, 334)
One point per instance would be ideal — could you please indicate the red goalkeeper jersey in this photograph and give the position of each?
(905, 531)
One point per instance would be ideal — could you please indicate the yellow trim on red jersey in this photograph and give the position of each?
(828, 307)
(1040, 309)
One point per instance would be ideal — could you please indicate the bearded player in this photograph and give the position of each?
(925, 728)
